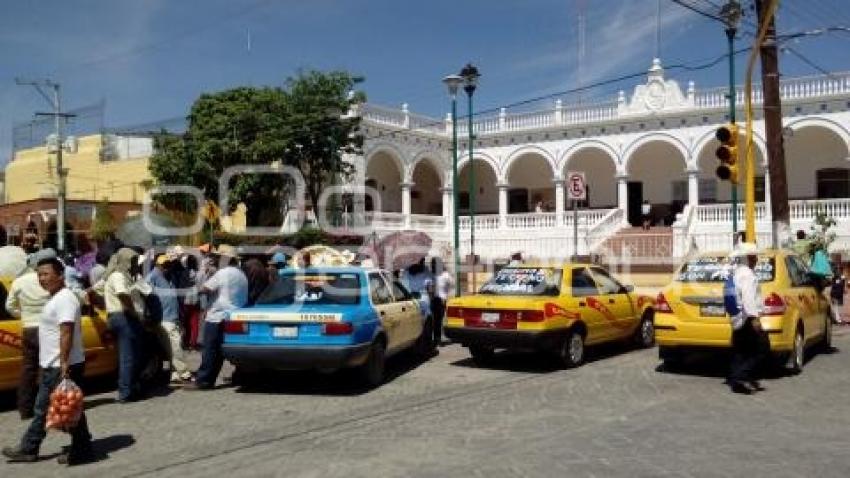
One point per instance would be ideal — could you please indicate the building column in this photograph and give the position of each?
(623, 193)
(448, 204)
(559, 201)
(503, 204)
(693, 188)
(405, 203)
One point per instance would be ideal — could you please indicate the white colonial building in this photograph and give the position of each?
(655, 144)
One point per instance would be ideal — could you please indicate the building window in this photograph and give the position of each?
(759, 188)
(833, 183)
(707, 191)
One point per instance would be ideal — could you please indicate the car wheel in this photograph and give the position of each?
(372, 372)
(826, 342)
(645, 333)
(798, 354)
(425, 344)
(481, 355)
(571, 351)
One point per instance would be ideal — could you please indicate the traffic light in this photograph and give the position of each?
(727, 153)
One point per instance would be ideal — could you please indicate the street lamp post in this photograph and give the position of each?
(470, 76)
(731, 14)
(453, 82)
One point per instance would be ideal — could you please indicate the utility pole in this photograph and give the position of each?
(58, 117)
(780, 212)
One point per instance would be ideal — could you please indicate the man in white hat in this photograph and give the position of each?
(749, 342)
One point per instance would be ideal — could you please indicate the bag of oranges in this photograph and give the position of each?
(66, 406)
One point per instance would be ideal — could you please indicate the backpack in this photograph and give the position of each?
(730, 296)
(153, 309)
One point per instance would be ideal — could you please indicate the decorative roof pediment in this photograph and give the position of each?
(656, 96)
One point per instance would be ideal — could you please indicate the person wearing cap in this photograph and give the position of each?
(275, 265)
(25, 300)
(227, 291)
(749, 341)
(167, 294)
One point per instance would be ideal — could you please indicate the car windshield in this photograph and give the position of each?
(340, 288)
(718, 268)
(524, 281)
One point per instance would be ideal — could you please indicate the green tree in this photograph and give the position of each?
(303, 125)
(103, 226)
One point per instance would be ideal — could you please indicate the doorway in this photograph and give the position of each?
(635, 198)
(517, 201)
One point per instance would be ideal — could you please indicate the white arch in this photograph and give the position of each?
(527, 149)
(652, 137)
(706, 138)
(486, 158)
(431, 157)
(390, 150)
(825, 123)
(582, 145)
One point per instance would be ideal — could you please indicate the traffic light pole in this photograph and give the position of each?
(730, 36)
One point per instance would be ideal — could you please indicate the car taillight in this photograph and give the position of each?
(661, 304)
(231, 327)
(773, 305)
(530, 316)
(455, 312)
(337, 328)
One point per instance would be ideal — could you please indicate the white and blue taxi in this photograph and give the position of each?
(328, 318)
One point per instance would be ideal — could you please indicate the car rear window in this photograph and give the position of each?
(314, 288)
(718, 268)
(524, 281)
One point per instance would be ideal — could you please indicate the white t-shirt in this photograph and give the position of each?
(118, 283)
(26, 299)
(230, 292)
(749, 297)
(445, 286)
(62, 308)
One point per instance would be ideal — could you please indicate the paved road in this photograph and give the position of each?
(615, 416)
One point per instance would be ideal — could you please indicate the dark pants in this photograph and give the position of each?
(28, 386)
(438, 311)
(749, 349)
(80, 436)
(211, 356)
(128, 333)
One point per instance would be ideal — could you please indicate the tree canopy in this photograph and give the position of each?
(303, 124)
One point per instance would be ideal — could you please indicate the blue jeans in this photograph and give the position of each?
(127, 334)
(211, 356)
(50, 378)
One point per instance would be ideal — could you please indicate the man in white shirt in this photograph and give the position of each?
(26, 300)
(749, 342)
(61, 356)
(444, 290)
(228, 291)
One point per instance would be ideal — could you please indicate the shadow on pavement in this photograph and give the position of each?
(716, 365)
(337, 383)
(542, 362)
(104, 446)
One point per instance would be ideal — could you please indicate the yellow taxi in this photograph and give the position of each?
(690, 316)
(555, 309)
(101, 353)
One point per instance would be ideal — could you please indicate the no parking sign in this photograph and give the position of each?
(576, 190)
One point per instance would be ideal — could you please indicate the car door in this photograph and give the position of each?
(615, 298)
(810, 304)
(409, 311)
(11, 344)
(382, 301)
(585, 296)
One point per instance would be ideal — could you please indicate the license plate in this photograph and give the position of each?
(285, 332)
(712, 311)
(490, 317)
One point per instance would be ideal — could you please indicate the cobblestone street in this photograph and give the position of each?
(615, 416)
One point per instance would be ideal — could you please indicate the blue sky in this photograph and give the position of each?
(150, 59)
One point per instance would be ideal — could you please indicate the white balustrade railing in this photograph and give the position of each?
(427, 221)
(385, 220)
(586, 217)
(604, 228)
(639, 249)
(482, 222)
(533, 220)
(789, 89)
(800, 210)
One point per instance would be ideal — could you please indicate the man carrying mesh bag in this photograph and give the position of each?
(62, 361)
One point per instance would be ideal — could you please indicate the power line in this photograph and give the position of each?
(694, 9)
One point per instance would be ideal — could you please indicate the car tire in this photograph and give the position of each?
(425, 345)
(672, 359)
(797, 356)
(645, 333)
(482, 356)
(571, 350)
(372, 371)
(826, 340)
